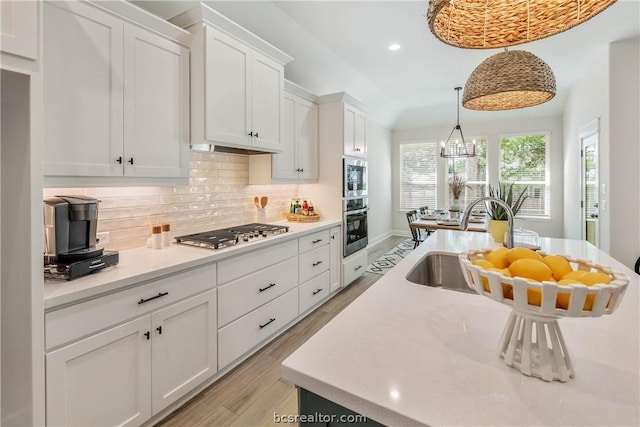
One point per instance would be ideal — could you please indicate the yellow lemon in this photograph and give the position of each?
(498, 257)
(593, 278)
(562, 300)
(483, 263)
(559, 266)
(507, 289)
(534, 296)
(530, 269)
(520, 252)
(574, 275)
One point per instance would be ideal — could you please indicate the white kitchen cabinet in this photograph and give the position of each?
(115, 96)
(104, 379)
(353, 266)
(237, 84)
(334, 258)
(100, 374)
(298, 161)
(355, 132)
(183, 348)
(314, 291)
(19, 29)
(313, 262)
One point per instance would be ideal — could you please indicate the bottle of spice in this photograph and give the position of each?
(311, 211)
(166, 235)
(305, 208)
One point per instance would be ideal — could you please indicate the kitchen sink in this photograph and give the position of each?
(439, 270)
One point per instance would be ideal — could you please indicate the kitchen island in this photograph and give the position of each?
(408, 354)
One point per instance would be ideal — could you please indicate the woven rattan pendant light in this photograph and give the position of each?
(509, 80)
(490, 24)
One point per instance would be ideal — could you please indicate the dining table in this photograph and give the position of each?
(436, 224)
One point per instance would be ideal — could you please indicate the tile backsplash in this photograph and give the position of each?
(218, 196)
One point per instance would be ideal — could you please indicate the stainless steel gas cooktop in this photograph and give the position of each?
(222, 238)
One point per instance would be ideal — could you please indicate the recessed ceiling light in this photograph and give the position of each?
(394, 46)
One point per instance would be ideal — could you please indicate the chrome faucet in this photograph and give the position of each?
(464, 221)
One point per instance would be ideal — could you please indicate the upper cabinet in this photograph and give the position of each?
(355, 132)
(237, 84)
(116, 96)
(298, 161)
(19, 29)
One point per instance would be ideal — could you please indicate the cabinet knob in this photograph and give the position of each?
(256, 134)
(119, 160)
(159, 329)
(301, 170)
(148, 335)
(251, 133)
(130, 160)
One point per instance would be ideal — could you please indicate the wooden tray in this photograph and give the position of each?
(300, 218)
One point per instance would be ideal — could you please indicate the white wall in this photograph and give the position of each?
(588, 100)
(380, 190)
(624, 150)
(552, 227)
(608, 90)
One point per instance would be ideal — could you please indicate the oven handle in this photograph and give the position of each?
(357, 211)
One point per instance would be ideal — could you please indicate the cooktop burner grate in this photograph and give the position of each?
(218, 239)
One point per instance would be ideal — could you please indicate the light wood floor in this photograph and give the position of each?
(251, 393)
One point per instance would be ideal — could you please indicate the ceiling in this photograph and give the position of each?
(342, 46)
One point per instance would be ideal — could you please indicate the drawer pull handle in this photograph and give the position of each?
(148, 335)
(96, 266)
(317, 263)
(317, 241)
(161, 294)
(271, 320)
(271, 285)
(317, 291)
(159, 329)
(358, 268)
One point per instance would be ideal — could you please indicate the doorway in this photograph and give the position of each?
(590, 202)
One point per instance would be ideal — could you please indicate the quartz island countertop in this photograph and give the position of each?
(408, 354)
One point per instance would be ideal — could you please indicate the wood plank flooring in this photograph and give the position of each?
(251, 393)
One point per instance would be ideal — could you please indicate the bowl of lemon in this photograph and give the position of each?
(541, 288)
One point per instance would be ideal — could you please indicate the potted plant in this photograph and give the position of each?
(498, 223)
(456, 186)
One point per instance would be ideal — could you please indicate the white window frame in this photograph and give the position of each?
(431, 206)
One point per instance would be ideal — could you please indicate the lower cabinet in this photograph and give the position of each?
(128, 373)
(243, 334)
(314, 291)
(353, 266)
(335, 257)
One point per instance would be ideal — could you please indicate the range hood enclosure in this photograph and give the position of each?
(237, 86)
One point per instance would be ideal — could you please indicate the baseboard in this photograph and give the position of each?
(378, 239)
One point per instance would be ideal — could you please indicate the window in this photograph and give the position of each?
(474, 171)
(524, 159)
(418, 174)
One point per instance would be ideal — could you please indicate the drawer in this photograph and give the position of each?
(314, 291)
(354, 266)
(239, 297)
(313, 241)
(242, 335)
(234, 268)
(94, 315)
(313, 262)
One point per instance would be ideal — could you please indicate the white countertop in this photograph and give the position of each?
(143, 264)
(408, 354)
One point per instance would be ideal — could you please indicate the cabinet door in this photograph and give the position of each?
(184, 348)
(267, 99)
(101, 380)
(156, 112)
(307, 139)
(83, 89)
(19, 28)
(284, 163)
(334, 254)
(227, 92)
(355, 132)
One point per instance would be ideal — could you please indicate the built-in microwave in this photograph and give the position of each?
(354, 172)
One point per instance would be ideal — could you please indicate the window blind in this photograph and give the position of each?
(418, 174)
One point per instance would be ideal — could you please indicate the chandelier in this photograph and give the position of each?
(482, 24)
(509, 80)
(455, 148)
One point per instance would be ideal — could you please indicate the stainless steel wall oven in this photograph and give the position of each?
(356, 235)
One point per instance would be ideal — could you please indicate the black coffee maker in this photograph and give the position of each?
(70, 226)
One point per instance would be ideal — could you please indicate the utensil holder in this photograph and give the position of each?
(261, 215)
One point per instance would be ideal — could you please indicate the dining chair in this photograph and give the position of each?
(416, 235)
(424, 210)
